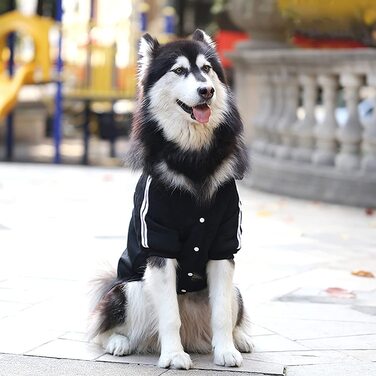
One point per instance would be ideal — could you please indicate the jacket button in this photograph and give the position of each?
(202, 220)
(190, 274)
(196, 249)
(182, 290)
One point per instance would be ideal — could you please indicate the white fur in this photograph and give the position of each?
(145, 52)
(176, 124)
(161, 286)
(201, 61)
(207, 39)
(118, 345)
(176, 180)
(220, 276)
(181, 62)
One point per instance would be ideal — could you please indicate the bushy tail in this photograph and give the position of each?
(108, 303)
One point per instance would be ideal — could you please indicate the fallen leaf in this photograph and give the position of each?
(369, 211)
(264, 213)
(363, 273)
(339, 292)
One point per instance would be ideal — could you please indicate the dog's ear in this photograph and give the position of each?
(201, 36)
(148, 47)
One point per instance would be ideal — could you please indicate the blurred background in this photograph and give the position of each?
(303, 72)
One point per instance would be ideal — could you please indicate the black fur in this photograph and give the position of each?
(157, 262)
(111, 308)
(149, 147)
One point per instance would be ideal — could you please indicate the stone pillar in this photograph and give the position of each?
(350, 135)
(303, 129)
(247, 102)
(288, 119)
(369, 133)
(260, 120)
(276, 111)
(325, 132)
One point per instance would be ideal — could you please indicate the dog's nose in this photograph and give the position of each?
(206, 92)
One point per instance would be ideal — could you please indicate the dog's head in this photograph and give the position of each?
(184, 85)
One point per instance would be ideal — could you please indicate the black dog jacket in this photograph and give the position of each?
(172, 224)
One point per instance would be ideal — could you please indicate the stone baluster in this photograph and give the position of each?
(350, 135)
(303, 129)
(260, 121)
(325, 132)
(369, 133)
(288, 119)
(277, 106)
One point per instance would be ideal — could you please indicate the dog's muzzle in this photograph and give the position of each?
(200, 112)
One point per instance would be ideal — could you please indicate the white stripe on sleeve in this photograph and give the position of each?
(239, 232)
(143, 211)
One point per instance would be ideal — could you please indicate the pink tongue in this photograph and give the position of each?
(202, 113)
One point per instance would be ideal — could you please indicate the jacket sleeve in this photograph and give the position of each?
(228, 238)
(154, 223)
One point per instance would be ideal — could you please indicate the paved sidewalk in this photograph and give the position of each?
(59, 225)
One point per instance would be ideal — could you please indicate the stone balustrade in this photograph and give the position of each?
(288, 99)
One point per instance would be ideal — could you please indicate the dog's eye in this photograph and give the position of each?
(206, 68)
(179, 70)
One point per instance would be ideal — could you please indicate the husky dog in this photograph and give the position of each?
(173, 292)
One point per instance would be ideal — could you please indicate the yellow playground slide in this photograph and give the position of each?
(38, 28)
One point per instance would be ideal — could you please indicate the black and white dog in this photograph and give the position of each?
(174, 290)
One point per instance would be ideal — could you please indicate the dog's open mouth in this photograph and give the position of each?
(200, 113)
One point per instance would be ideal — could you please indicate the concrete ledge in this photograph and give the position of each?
(306, 181)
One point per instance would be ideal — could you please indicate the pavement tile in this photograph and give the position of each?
(256, 330)
(308, 311)
(67, 349)
(341, 369)
(10, 308)
(131, 359)
(368, 355)
(310, 329)
(194, 372)
(291, 358)
(200, 362)
(206, 362)
(13, 365)
(75, 336)
(15, 340)
(364, 342)
(23, 296)
(275, 343)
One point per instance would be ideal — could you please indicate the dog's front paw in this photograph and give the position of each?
(227, 357)
(179, 360)
(243, 341)
(118, 345)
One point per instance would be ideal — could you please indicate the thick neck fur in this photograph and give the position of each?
(200, 171)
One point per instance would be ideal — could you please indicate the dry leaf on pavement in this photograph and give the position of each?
(363, 273)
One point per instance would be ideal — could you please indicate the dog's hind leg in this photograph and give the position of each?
(220, 280)
(160, 282)
(109, 314)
